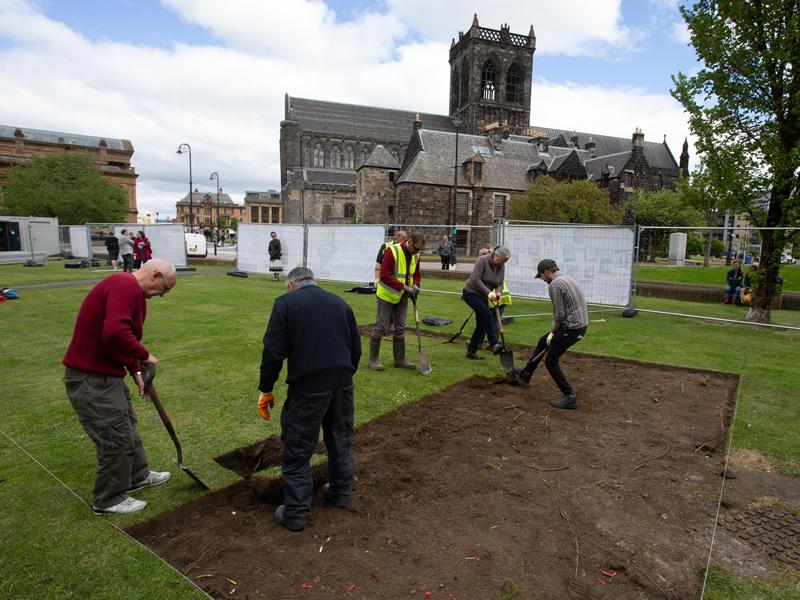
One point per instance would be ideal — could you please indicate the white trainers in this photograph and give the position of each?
(126, 507)
(153, 478)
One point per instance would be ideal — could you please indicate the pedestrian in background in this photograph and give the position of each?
(275, 253)
(570, 320)
(112, 247)
(141, 249)
(126, 250)
(445, 250)
(485, 284)
(398, 238)
(320, 394)
(105, 344)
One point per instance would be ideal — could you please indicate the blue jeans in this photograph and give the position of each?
(732, 292)
(485, 321)
(301, 419)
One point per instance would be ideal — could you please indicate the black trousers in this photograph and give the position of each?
(301, 419)
(562, 340)
(445, 261)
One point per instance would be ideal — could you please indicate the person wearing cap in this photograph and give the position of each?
(484, 286)
(570, 320)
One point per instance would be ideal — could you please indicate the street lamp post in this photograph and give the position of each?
(184, 147)
(156, 217)
(457, 123)
(215, 176)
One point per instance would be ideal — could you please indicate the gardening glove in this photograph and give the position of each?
(550, 337)
(265, 402)
(415, 287)
(410, 291)
(494, 297)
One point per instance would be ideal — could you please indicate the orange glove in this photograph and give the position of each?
(265, 402)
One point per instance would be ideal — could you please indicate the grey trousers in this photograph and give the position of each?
(388, 312)
(103, 406)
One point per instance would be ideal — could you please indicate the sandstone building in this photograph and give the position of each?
(350, 163)
(204, 210)
(18, 145)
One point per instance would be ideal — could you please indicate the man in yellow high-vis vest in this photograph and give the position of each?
(399, 280)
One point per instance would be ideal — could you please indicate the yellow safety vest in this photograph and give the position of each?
(387, 293)
(504, 299)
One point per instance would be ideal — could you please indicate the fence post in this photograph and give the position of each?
(630, 309)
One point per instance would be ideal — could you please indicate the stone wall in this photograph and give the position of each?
(375, 195)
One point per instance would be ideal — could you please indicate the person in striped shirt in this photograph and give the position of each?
(570, 320)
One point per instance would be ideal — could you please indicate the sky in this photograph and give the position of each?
(213, 74)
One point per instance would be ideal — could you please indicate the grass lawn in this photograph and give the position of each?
(207, 334)
(709, 275)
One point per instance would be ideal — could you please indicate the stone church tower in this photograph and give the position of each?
(490, 79)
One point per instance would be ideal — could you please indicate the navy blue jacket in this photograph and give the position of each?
(317, 332)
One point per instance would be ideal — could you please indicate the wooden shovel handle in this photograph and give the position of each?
(162, 412)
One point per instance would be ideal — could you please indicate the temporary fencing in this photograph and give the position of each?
(28, 239)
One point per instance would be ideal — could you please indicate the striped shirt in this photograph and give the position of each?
(569, 304)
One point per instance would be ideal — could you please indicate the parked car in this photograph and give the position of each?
(196, 245)
(787, 259)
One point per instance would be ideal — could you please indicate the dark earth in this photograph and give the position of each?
(484, 491)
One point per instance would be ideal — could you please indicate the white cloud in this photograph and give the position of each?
(679, 33)
(226, 98)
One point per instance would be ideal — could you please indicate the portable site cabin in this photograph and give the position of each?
(28, 238)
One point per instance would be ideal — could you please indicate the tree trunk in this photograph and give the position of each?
(707, 254)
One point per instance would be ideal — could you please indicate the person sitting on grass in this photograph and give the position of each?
(735, 279)
(746, 293)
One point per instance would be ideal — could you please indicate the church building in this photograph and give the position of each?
(344, 163)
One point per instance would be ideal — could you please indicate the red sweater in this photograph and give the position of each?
(387, 270)
(109, 327)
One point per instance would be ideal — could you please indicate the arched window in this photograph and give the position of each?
(319, 155)
(487, 80)
(336, 157)
(463, 90)
(514, 84)
(349, 160)
(349, 211)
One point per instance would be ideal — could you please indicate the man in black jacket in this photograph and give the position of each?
(316, 332)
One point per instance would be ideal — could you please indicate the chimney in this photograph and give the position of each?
(591, 147)
(103, 152)
(574, 140)
(541, 143)
(19, 142)
(417, 122)
(637, 140)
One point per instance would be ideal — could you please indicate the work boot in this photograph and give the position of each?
(290, 525)
(374, 354)
(525, 373)
(399, 347)
(496, 349)
(566, 401)
(337, 502)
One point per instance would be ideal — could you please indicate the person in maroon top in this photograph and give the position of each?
(105, 344)
(393, 294)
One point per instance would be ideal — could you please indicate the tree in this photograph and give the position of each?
(662, 209)
(744, 108)
(64, 185)
(699, 193)
(575, 202)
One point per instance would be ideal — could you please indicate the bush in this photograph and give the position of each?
(717, 248)
(694, 246)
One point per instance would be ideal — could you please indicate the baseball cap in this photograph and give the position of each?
(546, 264)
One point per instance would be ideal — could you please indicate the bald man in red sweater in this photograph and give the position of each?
(105, 344)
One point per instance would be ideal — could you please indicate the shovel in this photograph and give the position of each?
(506, 355)
(148, 374)
(422, 355)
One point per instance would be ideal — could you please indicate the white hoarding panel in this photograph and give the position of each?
(344, 252)
(598, 258)
(166, 241)
(79, 241)
(252, 240)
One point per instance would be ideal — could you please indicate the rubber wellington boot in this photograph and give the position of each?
(374, 354)
(399, 347)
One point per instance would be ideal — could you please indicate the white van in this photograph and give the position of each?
(196, 245)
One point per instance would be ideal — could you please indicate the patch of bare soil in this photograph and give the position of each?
(482, 491)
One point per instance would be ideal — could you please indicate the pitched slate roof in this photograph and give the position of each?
(657, 153)
(198, 197)
(381, 157)
(320, 175)
(611, 164)
(354, 122)
(505, 168)
(71, 139)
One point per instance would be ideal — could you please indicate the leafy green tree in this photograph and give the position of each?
(575, 202)
(661, 209)
(744, 108)
(700, 193)
(65, 185)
